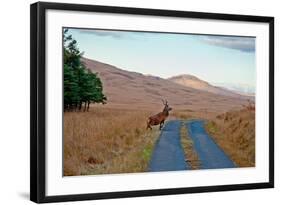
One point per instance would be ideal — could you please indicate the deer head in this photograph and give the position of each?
(166, 106)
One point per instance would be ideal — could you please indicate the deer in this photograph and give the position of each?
(159, 118)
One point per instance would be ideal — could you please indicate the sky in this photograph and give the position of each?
(213, 58)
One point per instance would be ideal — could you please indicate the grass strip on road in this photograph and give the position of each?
(191, 156)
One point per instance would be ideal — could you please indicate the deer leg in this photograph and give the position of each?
(148, 125)
(161, 125)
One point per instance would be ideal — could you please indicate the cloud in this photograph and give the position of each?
(112, 34)
(245, 44)
(132, 35)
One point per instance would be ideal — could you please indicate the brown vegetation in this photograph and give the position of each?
(188, 114)
(112, 138)
(107, 140)
(191, 156)
(234, 131)
(196, 83)
(139, 91)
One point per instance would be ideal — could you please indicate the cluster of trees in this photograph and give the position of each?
(81, 86)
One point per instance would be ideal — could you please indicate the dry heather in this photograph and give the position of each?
(107, 140)
(187, 144)
(234, 131)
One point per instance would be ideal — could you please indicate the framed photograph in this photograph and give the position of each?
(129, 102)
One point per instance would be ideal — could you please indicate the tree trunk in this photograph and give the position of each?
(88, 107)
(80, 106)
(85, 107)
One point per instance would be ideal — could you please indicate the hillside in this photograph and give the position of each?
(134, 90)
(196, 83)
(234, 131)
(243, 89)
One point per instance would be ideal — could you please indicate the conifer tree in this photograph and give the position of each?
(81, 86)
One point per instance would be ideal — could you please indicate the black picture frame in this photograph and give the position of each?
(38, 100)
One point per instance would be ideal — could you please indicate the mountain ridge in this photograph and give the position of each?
(197, 83)
(135, 90)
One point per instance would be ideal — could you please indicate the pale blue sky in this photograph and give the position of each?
(216, 59)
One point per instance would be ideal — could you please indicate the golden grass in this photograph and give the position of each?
(182, 114)
(234, 131)
(187, 145)
(107, 140)
(187, 114)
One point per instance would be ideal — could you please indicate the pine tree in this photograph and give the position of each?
(81, 86)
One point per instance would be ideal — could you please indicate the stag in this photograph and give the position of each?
(160, 117)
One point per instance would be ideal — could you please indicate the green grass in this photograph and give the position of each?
(212, 127)
(147, 152)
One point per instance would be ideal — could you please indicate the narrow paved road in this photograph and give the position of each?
(209, 153)
(168, 154)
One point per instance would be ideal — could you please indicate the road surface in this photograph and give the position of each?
(168, 154)
(210, 154)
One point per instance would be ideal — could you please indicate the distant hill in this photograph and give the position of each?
(196, 83)
(243, 89)
(134, 90)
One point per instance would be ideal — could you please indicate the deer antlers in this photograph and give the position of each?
(165, 102)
